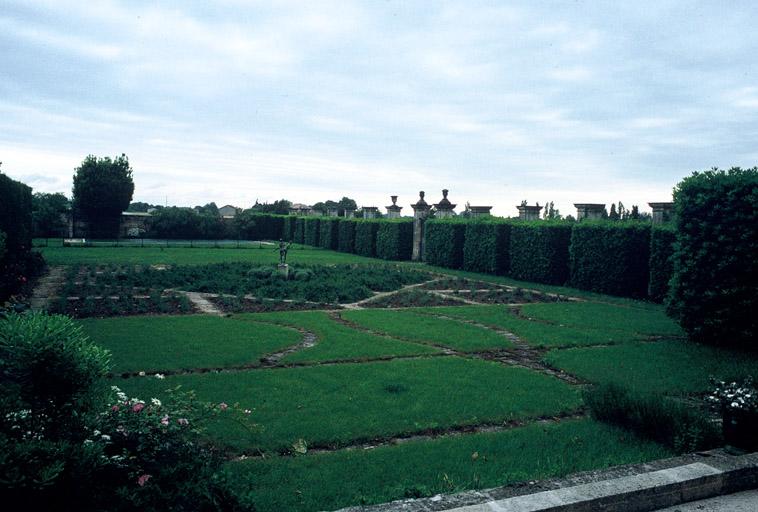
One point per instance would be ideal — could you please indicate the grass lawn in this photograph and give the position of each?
(193, 256)
(426, 329)
(535, 333)
(336, 342)
(160, 343)
(670, 367)
(335, 405)
(424, 468)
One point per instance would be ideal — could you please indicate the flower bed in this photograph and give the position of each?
(84, 307)
(509, 296)
(232, 304)
(459, 283)
(412, 298)
(738, 404)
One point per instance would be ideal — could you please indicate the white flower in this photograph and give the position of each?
(141, 374)
(95, 432)
(155, 402)
(105, 437)
(88, 441)
(160, 376)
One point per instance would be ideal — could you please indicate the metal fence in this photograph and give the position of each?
(155, 242)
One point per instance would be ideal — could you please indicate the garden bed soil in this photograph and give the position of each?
(508, 296)
(237, 305)
(459, 283)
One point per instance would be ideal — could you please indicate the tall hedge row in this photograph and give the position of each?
(365, 237)
(662, 240)
(299, 234)
(269, 226)
(713, 289)
(443, 245)
(16, 214)
(346, 242)
(611, 257)
(540, 251)
(329, 232)
(2, 245)
(311, 231)
(394, 239)
(486, 246)
(288, 230)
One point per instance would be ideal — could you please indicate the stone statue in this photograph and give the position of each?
(283, 248)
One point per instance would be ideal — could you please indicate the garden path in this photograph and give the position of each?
(47, 287)
(202, 304)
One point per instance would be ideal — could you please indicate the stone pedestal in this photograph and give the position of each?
(284, 270)
(589, 210)
(444, 208)
(420, 213)
(662, 212)
(369, 212)
(393, 210)
(526, 212)
(479, 211)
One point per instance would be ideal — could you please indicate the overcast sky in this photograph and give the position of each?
(497, 101)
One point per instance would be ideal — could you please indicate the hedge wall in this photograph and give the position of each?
(328, 237)
(443, 242)
(662, 240)
(713, 289)
(311, 231)
(540, 251)
(365, 237)
(299, 235)
(611, 257)
(16, 215)
(269, 226)
(2, 245)
(289, 227)
(394, 239)
(486, 246)
(346, 242)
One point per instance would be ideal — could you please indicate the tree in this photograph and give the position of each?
(103, 188)
(139, 206)
(551, 212)
(346, 204)
(613, 215)
(280, 207)
(48, 214)
(208, 209)
(176, 223)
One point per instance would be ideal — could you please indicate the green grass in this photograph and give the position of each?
(426, 329)
(333, 405)
(424, 468)
(538, 334)
(337, 342)
(160, 343)
(192, 256)
(671, 367)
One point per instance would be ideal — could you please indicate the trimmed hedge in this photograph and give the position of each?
(713, 288)
(299, 235)
(443, 242)
(365, 237)
(346, 242)
(394, 239)
(540, 251)
(328, 237)
(2, 245)
(289, 227)
(662, 240)
(269, 226)
(16, 215)
(611, 257)
(486, 246)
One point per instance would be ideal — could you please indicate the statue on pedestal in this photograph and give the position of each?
(283, 248)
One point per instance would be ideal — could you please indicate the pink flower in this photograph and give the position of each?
(223, 406)
(141, 481)
(138, 407)
(114, 408)
(164, 420)
(183, 421)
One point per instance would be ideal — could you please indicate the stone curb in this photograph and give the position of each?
(632, 488)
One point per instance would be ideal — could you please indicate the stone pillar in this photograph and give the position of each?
(479, 211)
(369, 212)
(349, 213)
(526, 212)
(444, 208)
(332, 212)
(589, 210)
(662, 212)
(420, 213)
(393, 210)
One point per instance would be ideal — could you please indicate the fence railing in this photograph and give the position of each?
(155, 242)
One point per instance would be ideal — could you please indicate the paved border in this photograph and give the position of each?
(631, 488)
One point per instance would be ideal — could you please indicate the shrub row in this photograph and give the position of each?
(661, 263)
(443, 244)
(311, 231)
(394, 239)
(539, 251)
(329, 232)
(17, 262)
(486, 246)
(346, 242)
(365, 237)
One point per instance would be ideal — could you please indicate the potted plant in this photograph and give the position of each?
(738, 404)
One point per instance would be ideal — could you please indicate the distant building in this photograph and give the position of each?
(228, 211)
(301, 209)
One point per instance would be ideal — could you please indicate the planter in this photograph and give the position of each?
(741, 430)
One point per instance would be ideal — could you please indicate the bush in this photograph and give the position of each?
(346, 241)
(299, 233)
(443, 242)
(394, 239)
(329, 232)
(2, 245)
(269, 226)
(539, 251)
(365, 237)
(662, 240)
(486, 246)
(311, 231)
(713, 288)
(288, 228)
(611, 257)
(16, 215)
(663, 420)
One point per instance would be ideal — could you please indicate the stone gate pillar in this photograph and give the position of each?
(589, 210)
(393, 210)
(662, 212)
(420, 213)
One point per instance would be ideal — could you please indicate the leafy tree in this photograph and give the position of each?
(139, 207)
(244, 226)
(47, 212)
(346, 204)
(635, 213)
(103, 188)
(551, 212)
(208, 209)
(280, 207)
(176, 223)
(613, 215)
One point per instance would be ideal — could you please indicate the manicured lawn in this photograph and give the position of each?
(538, 334)
(337, 342)
(159, 343)
(661, 367)
(424, 468)
(426, 329)
(192, 256)
(333, 405)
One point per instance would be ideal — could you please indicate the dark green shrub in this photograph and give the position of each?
(329, 232)
(346, 236)
(2, 245)
(443, 242)
(365, 237)
(394, 239)
(311, 231)
(299, 234)
(539, 251)
(16, 214)
(662, 240)
(288, 230)
(610, 257)
(713, 288)
(651, 416)
(486, 246)
(269, 226)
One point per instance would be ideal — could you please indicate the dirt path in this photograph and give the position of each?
(47, 287)
(202, 304)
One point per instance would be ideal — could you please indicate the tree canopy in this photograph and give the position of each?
(103, 188)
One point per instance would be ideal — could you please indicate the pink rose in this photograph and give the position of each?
(183, 421)
(164, 420)
(223, 406)
(141, 481)
(114, 408)
(138, 407)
